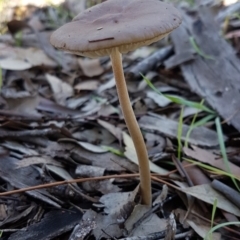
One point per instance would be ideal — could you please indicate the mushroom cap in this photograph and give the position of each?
(125, 24)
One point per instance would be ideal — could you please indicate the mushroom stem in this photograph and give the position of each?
(133, 128)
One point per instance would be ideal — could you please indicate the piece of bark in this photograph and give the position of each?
(52, 225)
(178, 59)
(17, 178)
(228, 192)
(214, 76)
(149, 63)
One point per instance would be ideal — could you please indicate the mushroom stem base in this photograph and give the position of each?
(133, 127)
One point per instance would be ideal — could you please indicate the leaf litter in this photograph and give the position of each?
(61, 120)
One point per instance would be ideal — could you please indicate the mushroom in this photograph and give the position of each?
(112, 28)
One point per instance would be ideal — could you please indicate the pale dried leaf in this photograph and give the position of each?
(61, 90)
(202, 230)
(61, 172)
(152, 224)
(159, 99)
(106, 110)
(19, 148)
(109, 224)
(26, 105)
(109, 84)
(162, 196)
(90, 85)
(189, 111)
(117, 132)
(91, 67)
(142, 52)
(137, 213)
(115, 203)
(35, 57)
(207, 194)
(92, 148)
(14, 64)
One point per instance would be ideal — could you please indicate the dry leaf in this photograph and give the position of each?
(61, 90)
(91, 67)
(92, 148)
(160, 100)
(207, 194)
(199, 136)
(90, 85)
(200, 226)
(209, 158)
(131, 154)
(14, 64)
(103, 186)
(37, 160)
(117, 132)
(35, 57)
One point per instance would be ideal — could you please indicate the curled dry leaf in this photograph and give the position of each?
(61, 90)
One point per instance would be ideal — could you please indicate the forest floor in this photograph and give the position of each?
(68, 166)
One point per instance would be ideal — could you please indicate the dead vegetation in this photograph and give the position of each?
(68, 166)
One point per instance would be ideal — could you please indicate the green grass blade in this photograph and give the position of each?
(219, 226)
(198, 50)
(179, 133)
(113, 150)
(213, 215)
(223, 149)
(199, 123)
(179, 100)
(213, 169)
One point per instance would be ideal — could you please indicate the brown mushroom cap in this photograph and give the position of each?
(126, 24)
